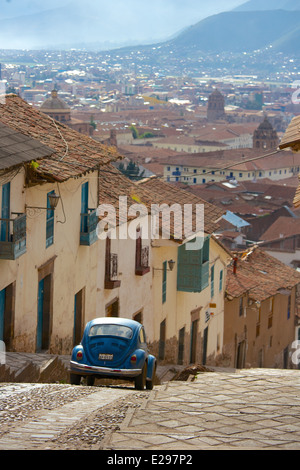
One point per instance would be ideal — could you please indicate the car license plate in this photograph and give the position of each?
(106, 357)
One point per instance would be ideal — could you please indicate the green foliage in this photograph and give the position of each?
(134, 132)
(92, 122)
(136, 135)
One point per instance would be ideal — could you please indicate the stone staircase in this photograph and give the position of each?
(46, 368)
(34, 368)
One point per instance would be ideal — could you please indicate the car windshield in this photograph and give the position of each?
(111, 330)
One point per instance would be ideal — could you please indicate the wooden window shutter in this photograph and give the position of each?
(193, 268)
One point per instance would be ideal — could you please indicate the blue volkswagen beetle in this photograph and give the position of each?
(113, 348)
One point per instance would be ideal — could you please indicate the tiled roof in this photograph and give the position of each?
(236, 160)
(283, 227)
(291, 138)
(151, 191)
(261, 275)
(167, 193)
(17, 148)
(75, 153)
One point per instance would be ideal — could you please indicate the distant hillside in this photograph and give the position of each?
(243, 32)
(34, 24)
(259, 5)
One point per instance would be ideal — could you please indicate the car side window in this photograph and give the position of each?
(142, 336)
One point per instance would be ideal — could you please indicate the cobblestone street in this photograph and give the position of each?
(248, 409)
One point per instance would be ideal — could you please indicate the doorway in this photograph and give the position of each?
(241, 355)
(7, 307)
(205, 337)
(112, 309)
(194, 331)
(162, 340)
(138, 317)
(181, 345)
(79, 302)
(44, 314)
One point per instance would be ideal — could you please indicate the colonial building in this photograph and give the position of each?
(57, 273)
(261, 312)
(188, 284)
(48, 254)
(237, 165)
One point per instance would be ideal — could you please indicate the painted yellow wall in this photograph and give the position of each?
(135, 292)
(74, 265)
(179, 306)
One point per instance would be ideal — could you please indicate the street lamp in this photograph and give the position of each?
(171, 264)
(53, 199)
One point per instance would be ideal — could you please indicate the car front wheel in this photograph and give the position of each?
(75, 379)
(150, 383)
(140, 380)
(90, 380)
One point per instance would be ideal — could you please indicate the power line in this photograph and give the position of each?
(231, 165)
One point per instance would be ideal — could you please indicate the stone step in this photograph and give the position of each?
(34, 368)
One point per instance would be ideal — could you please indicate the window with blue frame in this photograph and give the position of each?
(164, 283)
(5, 213)
(221, 281)
(84, 206)
(49, 223)
(212, 281)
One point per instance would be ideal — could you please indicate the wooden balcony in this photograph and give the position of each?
(88, 227)
(142, 259)
(13, 236)
(111, 271)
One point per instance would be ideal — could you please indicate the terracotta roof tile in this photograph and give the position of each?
(74, 153)
(261, 275)
(291, 138)
(167, 193)
(283, 227)
(152, 191)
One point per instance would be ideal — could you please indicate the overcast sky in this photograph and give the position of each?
(115, 21)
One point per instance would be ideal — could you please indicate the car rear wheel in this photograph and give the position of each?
(140, 380)
(90, 380)
(75, 379)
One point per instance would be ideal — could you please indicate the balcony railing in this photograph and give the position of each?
(142, 263)
(88, 226)
(111, 272)
(13, 236)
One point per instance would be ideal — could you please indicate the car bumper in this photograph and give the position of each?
(77, 368)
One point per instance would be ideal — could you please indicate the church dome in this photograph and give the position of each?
(54, 103)
(265, 125)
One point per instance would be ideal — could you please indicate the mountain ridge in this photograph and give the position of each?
(98, 20)
(244, 31)
(259, 5)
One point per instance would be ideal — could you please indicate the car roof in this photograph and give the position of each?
(115, 321)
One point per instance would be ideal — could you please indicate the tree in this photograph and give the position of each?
(134, 131)
(92, 123)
